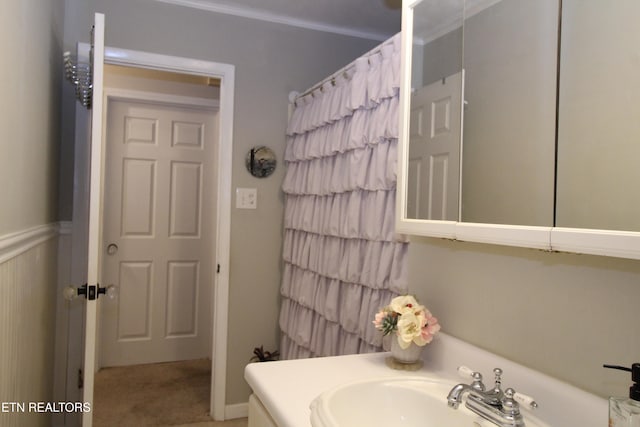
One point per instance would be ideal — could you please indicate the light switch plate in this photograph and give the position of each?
(246, 198)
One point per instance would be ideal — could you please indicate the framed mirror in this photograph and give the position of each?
(520, 94)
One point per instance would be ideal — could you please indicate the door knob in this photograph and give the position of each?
(70, 293)
(90, 292)
(111, 291)
(112, 249)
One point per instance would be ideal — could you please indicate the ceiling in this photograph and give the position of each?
(371, 19)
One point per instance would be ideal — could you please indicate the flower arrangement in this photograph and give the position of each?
(410, 320)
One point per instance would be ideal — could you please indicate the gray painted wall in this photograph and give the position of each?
(31, 43)
(442, 57)
(31, 34)
(561, 314)
(271, 60)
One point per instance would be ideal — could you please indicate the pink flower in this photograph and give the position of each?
(378, 319)
(430, 328)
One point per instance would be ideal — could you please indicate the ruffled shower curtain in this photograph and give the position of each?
(342, 258)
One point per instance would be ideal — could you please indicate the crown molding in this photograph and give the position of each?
(212, 6)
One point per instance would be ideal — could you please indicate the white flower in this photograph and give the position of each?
(409, 329)
(404, 304)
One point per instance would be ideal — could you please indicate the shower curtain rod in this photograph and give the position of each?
(294, 96)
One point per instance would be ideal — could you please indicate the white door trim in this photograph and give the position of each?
(226, 74)
(121, 94)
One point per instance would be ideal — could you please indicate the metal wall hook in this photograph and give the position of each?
(79, 74)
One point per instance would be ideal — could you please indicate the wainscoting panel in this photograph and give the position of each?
(28, 282)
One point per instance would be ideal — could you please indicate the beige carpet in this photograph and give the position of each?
(163, 394)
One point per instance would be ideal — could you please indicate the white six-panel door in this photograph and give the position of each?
(434, 151)
(158, 234)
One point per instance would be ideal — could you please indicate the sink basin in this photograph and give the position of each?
(397, 401)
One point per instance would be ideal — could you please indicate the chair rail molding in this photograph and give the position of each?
(14, 244)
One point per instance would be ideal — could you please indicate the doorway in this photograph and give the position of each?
(224, 73)
(159, 218)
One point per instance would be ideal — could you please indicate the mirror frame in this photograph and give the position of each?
(622, 244)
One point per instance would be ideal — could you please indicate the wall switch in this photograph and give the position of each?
(246, 198)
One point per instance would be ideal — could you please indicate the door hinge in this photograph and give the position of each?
(218, 271)
(80, 378)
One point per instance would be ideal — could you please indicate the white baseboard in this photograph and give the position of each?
(237, 410)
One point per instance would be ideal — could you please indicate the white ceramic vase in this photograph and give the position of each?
(407, 355)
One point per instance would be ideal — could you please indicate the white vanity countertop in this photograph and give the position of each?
(286, 388)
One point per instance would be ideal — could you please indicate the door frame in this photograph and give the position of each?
(220, 294)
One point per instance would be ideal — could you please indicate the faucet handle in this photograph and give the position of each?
(509, 405)
(525, 401)
(512, 400)
(477, 382)
(465, 372)
(476, 377)
(498, 378)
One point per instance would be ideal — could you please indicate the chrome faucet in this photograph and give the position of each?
(495, 405)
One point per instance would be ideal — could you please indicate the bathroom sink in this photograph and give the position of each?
(396, 401)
